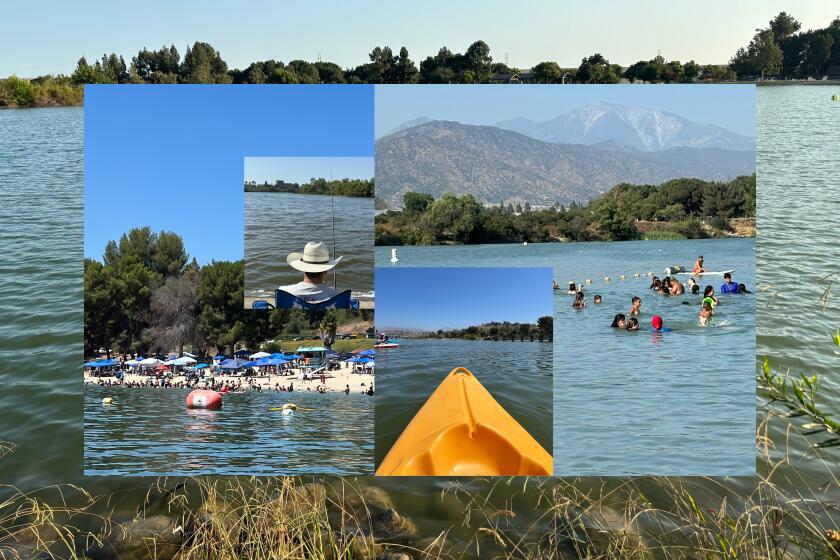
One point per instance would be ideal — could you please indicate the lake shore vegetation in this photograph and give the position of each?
(781, 51)
(339, 187)
(676, 209)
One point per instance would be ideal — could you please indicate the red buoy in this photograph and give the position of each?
(202, 398)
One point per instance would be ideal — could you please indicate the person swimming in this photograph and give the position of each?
(677, 288)
(579, 302)
(635, 306)
(572, 288)
(619, 321)
(597, 299)
(698, 265)
(654, 283)
(742, 289)
(709, 295)
(694, 286)
(658, 325)
(632, 324)
(728, 286)
(706, 313)
(555, 285)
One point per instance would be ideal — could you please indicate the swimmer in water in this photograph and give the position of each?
(706, 314)
(555, 285)
(597, 299)
(742, 289)
(654, 283)
(635, 306)
(698, 265)
(572, 288)
(658, 325)
(632, 324)
(728, 286)
(709, 294)
(677, 288)
(619, 321)
(579, 302)
(694, 286)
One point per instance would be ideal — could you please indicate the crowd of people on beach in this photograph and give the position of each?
(667, 286)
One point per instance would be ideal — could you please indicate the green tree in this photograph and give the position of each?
(203, 65)
(406, 71)
(783, 26)
(416, 202)
(221, 319)
(762, 56)
(478, 61)
(452, 217)
(548, 72)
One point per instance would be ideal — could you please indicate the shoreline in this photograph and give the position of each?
(308, 194)
(335, 382)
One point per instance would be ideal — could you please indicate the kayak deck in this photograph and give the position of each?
(462, 431)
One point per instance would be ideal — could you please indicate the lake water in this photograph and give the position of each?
(41, 265)
(517, 374)
(149, 431)
(277, 224)
(41, 175)
(636, 403)
(798, 254)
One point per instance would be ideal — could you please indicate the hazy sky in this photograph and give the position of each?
(434, 298)
(729, 106)
(302, 169)
(49, 36)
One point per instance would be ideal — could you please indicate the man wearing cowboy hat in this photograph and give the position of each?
(314, 262)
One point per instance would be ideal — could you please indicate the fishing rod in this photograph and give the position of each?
(332, 207)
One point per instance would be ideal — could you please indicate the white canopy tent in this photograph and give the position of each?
(259, 355)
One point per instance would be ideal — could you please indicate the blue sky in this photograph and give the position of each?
(302, 169)
(49, 36)
(728, 106)
(172, 158)
(433, 298)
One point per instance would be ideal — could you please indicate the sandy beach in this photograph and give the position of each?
(335, 381)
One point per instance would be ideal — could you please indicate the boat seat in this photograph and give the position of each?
(285, 300)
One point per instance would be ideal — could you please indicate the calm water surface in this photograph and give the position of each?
(798, 250)
(277, 224)
(41, 268)
(517, 374)
(636, 403)
(149, 431)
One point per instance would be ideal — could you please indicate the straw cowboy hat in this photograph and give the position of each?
(315, 258)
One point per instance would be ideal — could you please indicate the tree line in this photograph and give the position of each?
(542, 330)
(146, 296)
(782, 50)
(683, 208)
(778, 50)
(341, 187)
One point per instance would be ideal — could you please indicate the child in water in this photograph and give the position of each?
(706, 313)
(579, 302)
(597, 299)
(694, 286)
(619, 321)
(632, 324)
(635, 306)
(709, 295)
